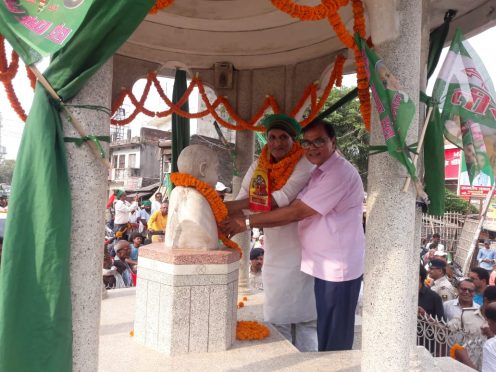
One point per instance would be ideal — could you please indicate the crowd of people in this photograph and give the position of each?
(467, 305)
(133, 224)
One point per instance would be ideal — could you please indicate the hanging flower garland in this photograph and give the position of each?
(218, 207)
(212, 107)
(7, 73)
(247, 330)
(282, 170)
(311, 13)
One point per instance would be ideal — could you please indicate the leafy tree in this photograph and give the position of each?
(6, 171)
(352, 137)
(453, 203)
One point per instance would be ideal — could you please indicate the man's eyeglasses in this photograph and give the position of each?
(319, 142)
(469, 290)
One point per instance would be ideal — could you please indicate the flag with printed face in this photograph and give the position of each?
(465, 94)
(396, 110)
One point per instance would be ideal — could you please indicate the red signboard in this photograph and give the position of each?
(474, 191)
(452, 158)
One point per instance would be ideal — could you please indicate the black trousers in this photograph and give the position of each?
(336, 305)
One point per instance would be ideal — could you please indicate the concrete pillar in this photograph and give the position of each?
(390, 267)
(245, 145)
(88, 178)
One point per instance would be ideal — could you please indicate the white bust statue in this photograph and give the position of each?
(191, 222)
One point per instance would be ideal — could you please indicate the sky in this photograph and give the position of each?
(11, 126)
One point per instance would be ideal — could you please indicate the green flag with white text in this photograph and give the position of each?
(38, 28)
(396, 110)
(35, 287)
(466, 96)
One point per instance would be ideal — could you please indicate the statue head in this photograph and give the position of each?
(201, 162)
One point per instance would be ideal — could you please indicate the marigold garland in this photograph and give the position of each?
(159, 5)
(7, 74)
(454, 349)
(247, 330)
(241, 304)
(211, 107)
(218, 207)
(329, 9)
(283, 169)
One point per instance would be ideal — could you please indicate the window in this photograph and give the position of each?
(122, 161)
(132, 161)
(114, 161)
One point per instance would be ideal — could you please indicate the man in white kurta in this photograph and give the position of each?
(289, 294)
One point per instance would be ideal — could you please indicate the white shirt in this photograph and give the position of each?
(489, 356)
(155, 206)
(122, 210)
(440, 247)
(289, 293)
(468, 319)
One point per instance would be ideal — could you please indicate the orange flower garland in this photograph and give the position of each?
(454, 349)
(159, 5)
(251, 330)
(211, 107)
(7, 74)
(216, 204)
(329, 9)
(283, 169)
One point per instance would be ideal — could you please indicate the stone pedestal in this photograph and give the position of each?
(186, 301)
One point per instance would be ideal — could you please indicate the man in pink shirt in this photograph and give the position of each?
(329, 211)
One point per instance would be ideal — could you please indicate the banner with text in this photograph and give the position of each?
(43, 25)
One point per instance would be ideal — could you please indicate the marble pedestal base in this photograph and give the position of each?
(186, 301)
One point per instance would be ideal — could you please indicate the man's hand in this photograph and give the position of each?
(233, 225)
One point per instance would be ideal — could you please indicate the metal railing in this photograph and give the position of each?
(438, 338)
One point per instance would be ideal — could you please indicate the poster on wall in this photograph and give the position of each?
(490, 221)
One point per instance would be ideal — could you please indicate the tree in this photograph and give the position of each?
(6, 171)
(351, 135)
(456, 204)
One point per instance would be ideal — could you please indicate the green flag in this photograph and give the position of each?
(466, 95)
(180, 125)
(396, 110)
(35, 291)
(41, 28)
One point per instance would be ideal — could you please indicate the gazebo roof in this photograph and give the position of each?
(254, 34)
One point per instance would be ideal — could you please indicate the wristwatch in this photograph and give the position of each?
(247, 223)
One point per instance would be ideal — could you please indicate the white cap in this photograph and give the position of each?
(219, 186)
(440, 253)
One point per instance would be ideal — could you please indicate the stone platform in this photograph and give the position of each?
(120, 352)
(186, 299)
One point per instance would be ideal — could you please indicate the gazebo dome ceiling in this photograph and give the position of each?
(253, 34)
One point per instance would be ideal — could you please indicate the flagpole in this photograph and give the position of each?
(46, 84)
(419, 146)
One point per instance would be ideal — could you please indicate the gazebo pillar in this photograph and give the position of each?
(391, 265)
(88, 180)
(245, 146)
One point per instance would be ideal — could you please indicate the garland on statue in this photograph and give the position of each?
(454, 349)
(283, 169)
(218, 207)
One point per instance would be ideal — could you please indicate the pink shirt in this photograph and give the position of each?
(333, 240)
